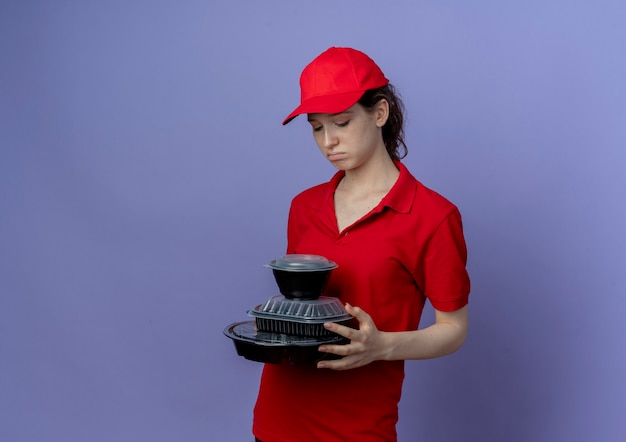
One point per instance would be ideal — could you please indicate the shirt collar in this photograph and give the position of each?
(401, 196)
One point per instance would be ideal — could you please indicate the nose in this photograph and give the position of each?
(329, 139)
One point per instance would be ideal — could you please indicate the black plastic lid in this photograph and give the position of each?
(302, 263)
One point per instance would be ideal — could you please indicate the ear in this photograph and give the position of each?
(381, 112)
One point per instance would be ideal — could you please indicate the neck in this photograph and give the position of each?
(377, 175)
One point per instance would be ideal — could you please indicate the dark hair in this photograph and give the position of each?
(393, 130)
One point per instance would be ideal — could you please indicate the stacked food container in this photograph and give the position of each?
(291, 325)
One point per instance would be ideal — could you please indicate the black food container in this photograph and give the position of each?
(273, 348)
(300, 276)
(299, 317)
(291, 325)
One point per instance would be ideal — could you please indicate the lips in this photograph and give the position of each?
(335, 156)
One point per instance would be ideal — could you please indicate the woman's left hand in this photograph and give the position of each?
(367, 344)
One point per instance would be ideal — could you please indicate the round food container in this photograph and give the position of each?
(301, 276)
(272, 348)
(299, 317)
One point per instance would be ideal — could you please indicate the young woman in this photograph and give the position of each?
(397, 244)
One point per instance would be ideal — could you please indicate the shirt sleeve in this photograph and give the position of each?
(446, 281)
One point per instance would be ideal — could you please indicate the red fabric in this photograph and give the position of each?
(408, 249)
(335, 80)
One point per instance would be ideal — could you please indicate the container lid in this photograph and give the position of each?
(302, 263)
(310, 311)
(247, 332)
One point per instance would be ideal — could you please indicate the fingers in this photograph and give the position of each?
(362, 341)
(346, 332)
(358, 313)
(350, 357)
(340, 364)
(364, 320)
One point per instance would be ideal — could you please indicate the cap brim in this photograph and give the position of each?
(327, 104)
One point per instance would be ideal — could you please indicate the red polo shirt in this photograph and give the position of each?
(408, 249)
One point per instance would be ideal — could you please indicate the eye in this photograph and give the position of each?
(343, 123)
(316, 128)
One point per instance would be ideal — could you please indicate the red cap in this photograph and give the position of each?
(335, 80)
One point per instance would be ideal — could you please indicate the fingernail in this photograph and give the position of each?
(321, 365)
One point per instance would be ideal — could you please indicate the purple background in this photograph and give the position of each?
(145, 179)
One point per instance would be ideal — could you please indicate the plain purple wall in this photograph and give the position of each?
(145, 179)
